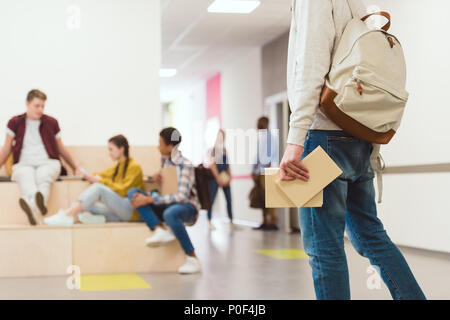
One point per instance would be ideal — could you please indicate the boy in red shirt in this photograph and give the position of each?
(35, 141)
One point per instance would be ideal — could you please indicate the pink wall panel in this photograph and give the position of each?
(214, 98)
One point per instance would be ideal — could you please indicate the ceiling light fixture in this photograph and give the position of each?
(234, 6)
(167, 73)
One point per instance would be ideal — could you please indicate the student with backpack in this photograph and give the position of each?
(346, 92)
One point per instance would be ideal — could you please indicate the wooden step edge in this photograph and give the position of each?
(75, 226)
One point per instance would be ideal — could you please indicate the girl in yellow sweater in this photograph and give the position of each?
(109, 187)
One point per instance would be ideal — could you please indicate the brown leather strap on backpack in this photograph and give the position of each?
(348, 124)
(381, 13)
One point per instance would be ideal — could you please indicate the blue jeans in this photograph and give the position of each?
(349, 204)
(174, 215)
(213, 188)
(114, 207)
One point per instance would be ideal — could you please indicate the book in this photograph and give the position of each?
(169, 184)
(276, 198)
(322, 171)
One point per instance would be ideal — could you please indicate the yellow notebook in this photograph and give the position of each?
(322, 171)
(275, 197)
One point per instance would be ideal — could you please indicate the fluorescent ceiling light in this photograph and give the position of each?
(167, 73)
(233, 6)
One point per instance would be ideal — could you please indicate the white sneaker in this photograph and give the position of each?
(59, 219)
(160, 236)
(88, 218)
(211, 226)
(192, 265)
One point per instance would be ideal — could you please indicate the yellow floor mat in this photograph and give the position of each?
(104, 282)
(284, 254)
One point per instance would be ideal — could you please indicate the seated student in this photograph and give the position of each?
(178, 208)
(109, 187)
(34, 139)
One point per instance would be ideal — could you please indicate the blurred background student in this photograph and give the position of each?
(179, 209)
(34, 139)
(217, 161)
(266, 157)
(105, 200)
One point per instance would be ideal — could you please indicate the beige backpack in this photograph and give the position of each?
(364, 92)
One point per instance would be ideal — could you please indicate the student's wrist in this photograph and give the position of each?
(150, 200)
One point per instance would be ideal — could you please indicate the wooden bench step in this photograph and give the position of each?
(28, 251)
(62, 195)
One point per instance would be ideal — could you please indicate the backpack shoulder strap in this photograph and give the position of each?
(378, 165)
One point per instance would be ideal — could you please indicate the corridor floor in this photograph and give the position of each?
(234, 269)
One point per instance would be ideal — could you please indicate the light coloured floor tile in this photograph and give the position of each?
(233, 270)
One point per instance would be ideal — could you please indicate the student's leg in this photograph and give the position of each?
(146, 212)
(323, 240)
(99, 209)
(25, 176)
(175, 216)
(87, 199)
(46, 174)
(272, 216)
(368, 236)
(117, 205)
(323, 228)
(119, 208)
(227, 192)
(94, 193)
(85, 202)
(266, 211)
(213, 187)
(265, 216)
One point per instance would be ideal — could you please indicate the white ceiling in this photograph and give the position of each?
(198, 43)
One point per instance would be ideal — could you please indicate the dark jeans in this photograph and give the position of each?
(213, 188)
(349, 204)
(174, 215)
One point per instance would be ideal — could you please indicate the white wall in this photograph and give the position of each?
(101, 79)
(242, 104)
(422, 27)
(241, 90)
(415, 209)
(188, 113)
